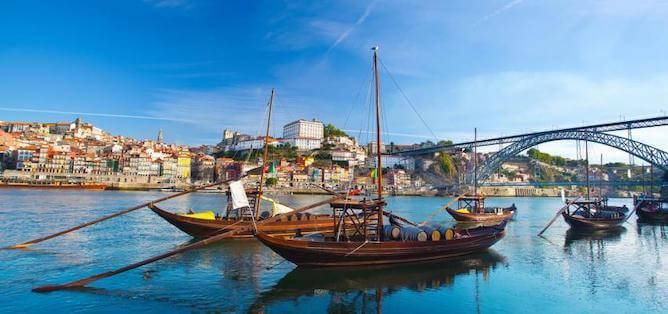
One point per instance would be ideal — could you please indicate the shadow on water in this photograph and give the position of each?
(358, 289)
(608, 235)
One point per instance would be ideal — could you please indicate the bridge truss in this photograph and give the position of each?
(652, 155)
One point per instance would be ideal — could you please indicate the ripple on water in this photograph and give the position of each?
(561, 272)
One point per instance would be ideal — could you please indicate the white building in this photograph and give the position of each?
(303, 143)
(390, 161)
(255, 144)
(304, 128)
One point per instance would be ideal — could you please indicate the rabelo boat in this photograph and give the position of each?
(359, 236)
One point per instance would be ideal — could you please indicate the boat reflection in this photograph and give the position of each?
(574, 235)
(358, 289)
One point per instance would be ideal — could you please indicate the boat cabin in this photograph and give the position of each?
(359, 217)
(471, 203)
(593, 208)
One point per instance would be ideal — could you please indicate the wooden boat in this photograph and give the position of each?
(651, 209)
(329, 252)
(55, 185)
(472, 208)
(358, 239)
(210, 226)
(593, 214)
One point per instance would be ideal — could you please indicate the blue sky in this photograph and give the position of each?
(196, 67)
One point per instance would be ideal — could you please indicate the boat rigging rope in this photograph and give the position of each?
(410, 103)
(440, 210)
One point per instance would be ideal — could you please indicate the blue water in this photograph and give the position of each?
(622, 272)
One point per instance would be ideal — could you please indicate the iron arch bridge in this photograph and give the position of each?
(652, 155)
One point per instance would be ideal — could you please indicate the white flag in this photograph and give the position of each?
(239, 199)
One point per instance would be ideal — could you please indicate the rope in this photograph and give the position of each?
(357, 248)
(408, 100)
(440, 210)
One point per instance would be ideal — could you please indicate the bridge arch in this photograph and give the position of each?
(650, 154)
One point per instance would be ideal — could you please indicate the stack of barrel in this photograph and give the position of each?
(417, 233)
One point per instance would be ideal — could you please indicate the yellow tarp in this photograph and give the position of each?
(463, 210)
(210, 215)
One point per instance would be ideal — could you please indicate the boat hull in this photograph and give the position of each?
(507, 214)
(592, 223)
(55, 186)
(649, 215)
(339, 254)
(204, 228)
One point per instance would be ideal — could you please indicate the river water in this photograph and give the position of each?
(622, 272)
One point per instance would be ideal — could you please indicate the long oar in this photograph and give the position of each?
(123, 212)
(561, 210)
(634, 210)
(82, 282)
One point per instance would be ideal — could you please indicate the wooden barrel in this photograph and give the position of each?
(448, 234)
(432, 233)
(391, 232)
(411, 233)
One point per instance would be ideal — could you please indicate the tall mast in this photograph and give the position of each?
(379, 164)
(475, 161)
(600, 180)
(587, 165)
(264, 158)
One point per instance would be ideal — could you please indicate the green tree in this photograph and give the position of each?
(448, 165)
(331, 131)
(271, 181)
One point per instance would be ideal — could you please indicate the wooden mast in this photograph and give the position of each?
(475, 162)
(379, 164)
(264, 158)
(600, 181)
(587, 165)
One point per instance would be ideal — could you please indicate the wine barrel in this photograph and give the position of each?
(391, 232)
(432, 233)
(411, 233)
(447, 233)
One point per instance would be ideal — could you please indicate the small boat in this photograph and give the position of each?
(651, 209)
(472, 208)
(207, 224)
(55, 185)
(359, 235)
(593, 214)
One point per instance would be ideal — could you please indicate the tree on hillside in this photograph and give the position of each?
(448, 165)
(332, 131)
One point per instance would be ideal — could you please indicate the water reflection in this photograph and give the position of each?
(599, 237)
(358, 290)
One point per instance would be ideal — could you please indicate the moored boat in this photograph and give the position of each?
(472, 208)
(651, 209)
(54, 185)
(358, 236)
(207, 224)
(593, 214)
